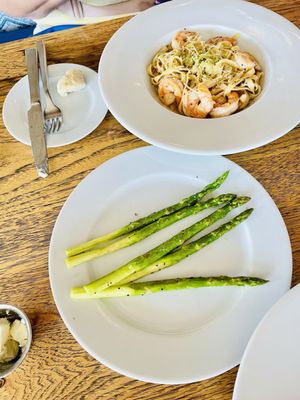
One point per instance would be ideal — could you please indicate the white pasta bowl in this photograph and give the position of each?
(129, 95)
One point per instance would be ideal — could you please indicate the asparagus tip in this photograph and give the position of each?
(253, 281)
(240, 200)
(249, 211)
(224, 176)
(262, 281)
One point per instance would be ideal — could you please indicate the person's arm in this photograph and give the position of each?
(29, 8)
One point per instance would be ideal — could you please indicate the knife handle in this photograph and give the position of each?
(33, 75)
(42, 56)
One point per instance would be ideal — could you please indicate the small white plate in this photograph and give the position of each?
(270, 368)
(130, 97)
(82, 111)
(175, 337)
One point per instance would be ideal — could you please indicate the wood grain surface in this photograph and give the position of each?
(57, 367)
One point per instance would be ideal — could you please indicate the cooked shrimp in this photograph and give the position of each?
(243, 100)
(170, 90)
(181, 38)
(222, 110)
(196, 102)
(218, 39)
(246, 60)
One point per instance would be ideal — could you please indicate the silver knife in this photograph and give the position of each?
(35, 116)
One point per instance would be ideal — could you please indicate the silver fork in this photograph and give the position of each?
(77, 8)
(52, 114)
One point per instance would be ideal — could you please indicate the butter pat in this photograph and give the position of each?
(12, 337)
(4, 332)
(18, 332)
(9, 351)
(72, 81)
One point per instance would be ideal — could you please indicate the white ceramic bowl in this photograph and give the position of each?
(128, 93)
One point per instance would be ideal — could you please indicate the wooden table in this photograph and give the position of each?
(57, 367)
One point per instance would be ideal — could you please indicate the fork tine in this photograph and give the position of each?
(57, 125)
(60, 120)
(51, 126)
(54, 125)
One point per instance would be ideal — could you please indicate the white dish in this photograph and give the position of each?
(129, 96)
(270, 368)
(82, 111)
(171, 337)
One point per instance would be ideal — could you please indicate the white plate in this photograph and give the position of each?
(171, 337)
(82, 111)
(131, 99)
(270, 368)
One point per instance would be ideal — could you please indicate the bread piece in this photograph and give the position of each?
(72, 81)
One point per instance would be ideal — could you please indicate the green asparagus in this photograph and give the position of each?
(187, 202)
(157, 263)
(141, 288)
(217, 215)
(148, 230)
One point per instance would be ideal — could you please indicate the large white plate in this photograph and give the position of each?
(171, 337)
(270, 369)
(129, 96)
(82, 111)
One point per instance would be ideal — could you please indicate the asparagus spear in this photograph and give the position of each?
(148, 230)
(189, 201)
(141, 288)
(163, 262)
(139, 263)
